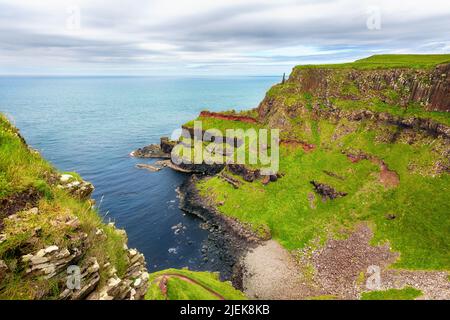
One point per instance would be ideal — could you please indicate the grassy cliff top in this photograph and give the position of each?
(27, 181)
(387, 61)
(175, 284)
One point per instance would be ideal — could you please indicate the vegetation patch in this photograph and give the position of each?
(407, 293)
(176, 284)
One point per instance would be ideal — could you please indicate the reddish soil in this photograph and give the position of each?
(298, 144)
(223, 116)
(388, 178)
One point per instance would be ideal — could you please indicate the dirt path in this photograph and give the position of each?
(165, 277)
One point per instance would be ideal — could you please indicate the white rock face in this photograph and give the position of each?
(65, 177)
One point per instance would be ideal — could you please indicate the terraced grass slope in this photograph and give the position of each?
(174, 284)
(389, 61)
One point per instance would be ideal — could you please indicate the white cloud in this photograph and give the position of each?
(204, 36)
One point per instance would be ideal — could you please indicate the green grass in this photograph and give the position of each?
(420, 230)
(20, 170)
(385, 61)
(407, 293)
(178, 289)
(412, 110)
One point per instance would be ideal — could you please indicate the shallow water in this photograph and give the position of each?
(91, 124)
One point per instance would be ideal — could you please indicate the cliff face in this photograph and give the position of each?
(53, 244)
(407, 97)
(430, 88)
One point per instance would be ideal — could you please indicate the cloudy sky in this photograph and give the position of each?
(209, 37)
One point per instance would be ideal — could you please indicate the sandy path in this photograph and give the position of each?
(271, 273)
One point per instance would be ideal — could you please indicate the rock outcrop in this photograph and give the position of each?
(161, 150)
(76, 187)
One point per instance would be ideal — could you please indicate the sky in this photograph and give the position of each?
(210, 37)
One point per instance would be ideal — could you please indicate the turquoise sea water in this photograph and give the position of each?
(91, 124)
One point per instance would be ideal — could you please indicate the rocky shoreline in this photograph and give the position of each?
(229, 238)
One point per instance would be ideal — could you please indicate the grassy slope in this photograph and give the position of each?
(407, 293)
(384, 61)
(420, 231)
(181, 290)
(21, 170)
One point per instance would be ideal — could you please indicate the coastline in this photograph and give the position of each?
(230, 238)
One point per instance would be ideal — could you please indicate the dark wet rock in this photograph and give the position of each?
(246, 173)
(228, 239)
(150, 151)
(161, 150)
(326, 191)
(167, 145)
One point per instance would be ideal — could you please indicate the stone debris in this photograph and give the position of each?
(79, 189)
(326, 191)
(89, 279)
(234, 182)
(132, 286)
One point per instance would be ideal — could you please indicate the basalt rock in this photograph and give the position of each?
(326, 191)
(429, 89)
(161, 150)
(246, 173)
(167, 145)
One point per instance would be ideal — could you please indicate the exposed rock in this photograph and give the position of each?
(162, 150)
(201, 168)
(132, 286)
(50, 261)
(89, 279)
(77, 188)
(246, 173)
(326, 191)
(150, 151)
(148, 167)
(167, 145)
(234, 182)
